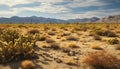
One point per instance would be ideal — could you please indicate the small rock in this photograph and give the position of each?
(76, 58)
(71, 53)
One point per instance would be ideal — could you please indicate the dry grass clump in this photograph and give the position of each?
(72, 45)
(113, 41)
(110, 33)
(49, 40)
(63, 39)
(51, 33)
(64, 28)
(27, 64)
(55, 46)
(107, 33)
(46, 28)
(44, 45)
(97, 37)
(95, 46)
(101, 60)
(54, 29)
(22, 26)
(66, 34)
(58, 37)
(72, 38)
(33, 31)
(70, 61)
(118, 47)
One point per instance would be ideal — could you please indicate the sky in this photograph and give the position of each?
(59, 9)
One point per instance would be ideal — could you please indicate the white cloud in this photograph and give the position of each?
(89, 14)
(15, 2)
(86, 3)
(63, 11)
(7, 13)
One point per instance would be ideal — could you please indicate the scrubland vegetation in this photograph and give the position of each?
(60, 46)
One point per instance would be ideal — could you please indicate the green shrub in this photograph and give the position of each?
(9, 35)
(107, 33)
(99, 32)
(15, 46)
(113, 41)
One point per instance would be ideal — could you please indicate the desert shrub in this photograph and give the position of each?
(34, 31)
(17, 46)
(107, 33)
(1, 30)
(22, 26)
(9, 35)
(84, 28)
(70, 61)
(113, 41)
(55, 46)
(64, 28)
(97, 37)
(99, 32)
(46, 28)
(58, 37)
(118, 47)
(101, 60)
(66, 34)
(53, 29)
(95, 46)
(73, 45)
(77, 29)
(49, 40)
(72, 38)
(51, 33)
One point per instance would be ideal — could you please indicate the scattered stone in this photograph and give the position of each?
(76, 58)
(71, 53)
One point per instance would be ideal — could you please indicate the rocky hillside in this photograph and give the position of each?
(110, 19)
(35, 19)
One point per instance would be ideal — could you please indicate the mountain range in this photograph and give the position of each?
(35, 19)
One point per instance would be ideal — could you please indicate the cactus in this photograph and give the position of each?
(13, 45)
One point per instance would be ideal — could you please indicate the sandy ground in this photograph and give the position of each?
(66, 57)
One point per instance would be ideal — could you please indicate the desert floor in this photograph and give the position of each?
(63, 46)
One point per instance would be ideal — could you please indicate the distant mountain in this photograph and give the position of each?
(93, 19)
(35, 19)
(110, 19)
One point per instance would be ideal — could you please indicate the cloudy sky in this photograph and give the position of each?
(61, 9)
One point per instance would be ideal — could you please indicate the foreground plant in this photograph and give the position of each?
(102, 60)
(15, 46)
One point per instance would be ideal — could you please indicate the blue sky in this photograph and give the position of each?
(60, 9)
